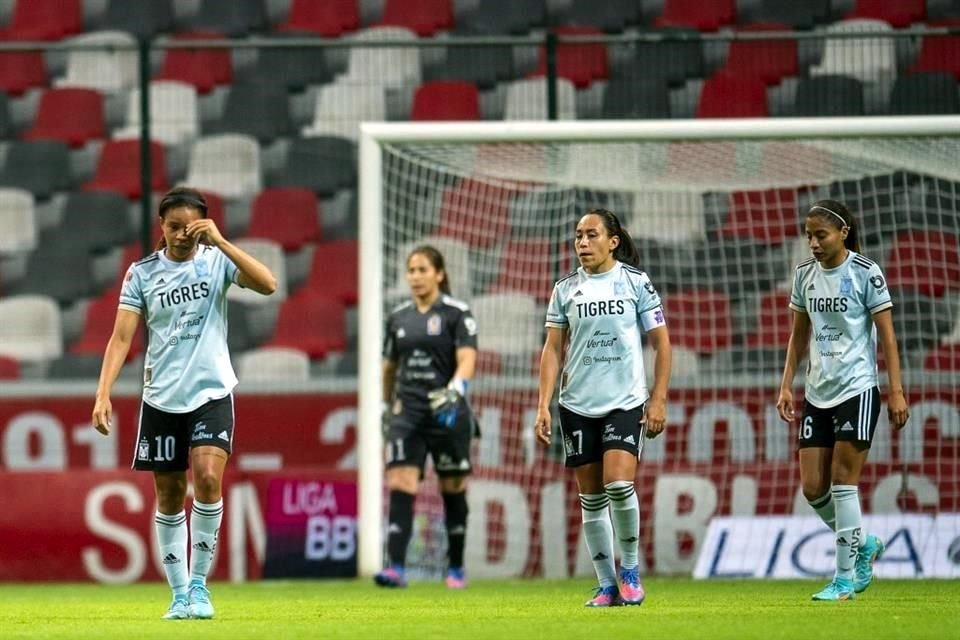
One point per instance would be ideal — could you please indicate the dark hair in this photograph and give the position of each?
(180, 197)
(436, 261)
(837, 214)
(626, 251)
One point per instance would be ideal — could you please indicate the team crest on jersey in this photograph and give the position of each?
(433, 325)
(143, 450)
(619, 289)
(200, 266)
(846, 286)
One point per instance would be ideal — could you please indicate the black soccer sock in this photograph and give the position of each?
(455, 509)
(400, 526)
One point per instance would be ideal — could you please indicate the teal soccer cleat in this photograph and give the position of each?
(200, 606)
(871, 549)
(838, 589)
(179, 609)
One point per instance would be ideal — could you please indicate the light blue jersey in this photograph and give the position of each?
(184, 305)
(605, 314)
(843, 339)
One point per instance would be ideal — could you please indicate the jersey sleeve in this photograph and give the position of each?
(389, 340)
(797, 302)
(465, 331)
(230, 271)
(649, 304)
(556, 316)
(131, 291)
(876, 293)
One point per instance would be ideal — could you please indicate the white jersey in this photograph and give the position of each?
(843, 338)
(605, 315)
(184, 305)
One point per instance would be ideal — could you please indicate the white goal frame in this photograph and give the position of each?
(372, 135)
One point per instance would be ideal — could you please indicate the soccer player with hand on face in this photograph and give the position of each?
(429, 355)
(186, 417)
(840, 302)
(603, 309)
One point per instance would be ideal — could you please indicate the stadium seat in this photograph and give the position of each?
(675, 57)
(423, 17)
(255, 109)
(393, 67)
(481, 66)
(798, 15)
(31, 329)
(46, 274)
(729, 96)
(920, 321)
(867, 59)
(340, 108)
(527, 100)
(769, 60)
(140, 19)
(118, 169)
(174, 117)
(769, 216)
(235, 19)
(697, 14)
(98, 219)
(335, 271)
(98, 327)
(202, 68)
(526, 267)
(511, 323)
(71, 366)
(446, 101)
(42, 167)
(940, 52)
(639, 97)
(324, 165)
(685, 364)
(699, 320)
(111, 68)
(579, 62)
(456, 256)
(772, 324)
(328, 19)
(270, 254)
(899, 14)
(22, 70)
(44, 20)
(738, 267)
(9, 368)
(311, 322)
(227, 164)
(273, 364)
(502, 17)
(73, 116)
(926, 93)
(288, 216)
(671, 217)
(294, 68)
(944, 357)
(475, 213)
(827, 96)
(924, 261)
(18, 224)
(611, 16)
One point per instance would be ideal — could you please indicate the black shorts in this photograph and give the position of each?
(585, 440)
(412, 434)
(853, 420)
(164, 439)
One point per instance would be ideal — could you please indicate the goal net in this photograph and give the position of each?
(716, 209)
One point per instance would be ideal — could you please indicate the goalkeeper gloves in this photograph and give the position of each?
(445, 402)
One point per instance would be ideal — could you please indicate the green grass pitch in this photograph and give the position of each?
(516, 609)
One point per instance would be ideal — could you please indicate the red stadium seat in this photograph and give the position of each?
(311, 322)
(945, 357)
(202, 68)
(442, 100)
(22, 70)
(703, 15)
(580, 63)
(768, 216)
(329, 18)
(289, 216)
(98, 326)
(699, 320)
(9, 368)
(489, 363)
(924, 261)
(687, 160)
(475, 213)
(44, 20)
(774, 320)
(334, 271)
(899, 14)
(769, 60)
(71, 115)
(729, 96)
(940, 53)
(423, 17)
(119, 168)
(525, 267)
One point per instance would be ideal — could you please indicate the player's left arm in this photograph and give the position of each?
(897, 410)
(659, 339)
(251, 273)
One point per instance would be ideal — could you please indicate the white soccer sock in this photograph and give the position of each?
(846, 500)
(626, 520)
(598, 533)
(204, 527)
(172, 540)
(824, 508)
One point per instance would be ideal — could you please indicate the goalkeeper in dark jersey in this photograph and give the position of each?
(429, 355)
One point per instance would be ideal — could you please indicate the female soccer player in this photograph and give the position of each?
(840, 301)
(186, 418)
(429, 354)
(605, 408)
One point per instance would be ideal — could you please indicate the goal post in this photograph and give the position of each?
(409, 174)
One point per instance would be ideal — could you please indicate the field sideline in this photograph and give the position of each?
(516, 609)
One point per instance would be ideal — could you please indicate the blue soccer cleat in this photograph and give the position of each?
(631, 591)
(605, 597)
(871, 549)
(200, 606)
(456, 578)
(836, 590)
(391, 577)
(179, 609)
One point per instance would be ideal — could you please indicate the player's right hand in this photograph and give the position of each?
(103, 416)
(541, 426)
(785, 405)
